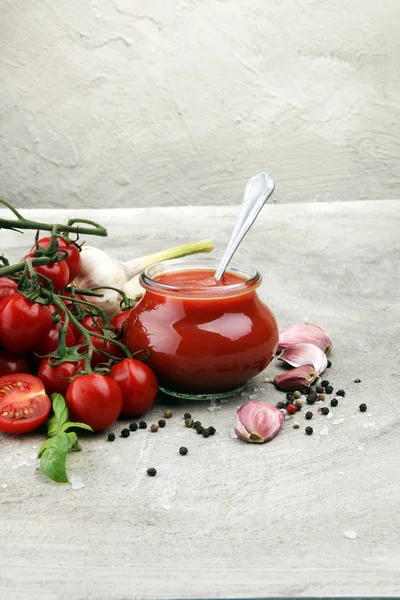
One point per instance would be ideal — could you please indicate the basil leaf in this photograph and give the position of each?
(77, 425)
(52, 460)
(60, 416)
(44, 446)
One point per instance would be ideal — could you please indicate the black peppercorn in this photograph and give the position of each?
(290, 396)
(324, 383)
(125, 433)
(334, 402)
(363, 407)
(168, 414)
(161, 423)
(357, 380)
(340, 393)
(325, 410)
(200, 429)
(309, 415)
(187, 416)
(196, 424)
(111, 437)
(328, 389)
(142, 424)
(328, 366)
(152, 472)
(133, 426)
(280, 404)
(307, 390)
(311, 398)
(183, 450)
(309, 430)
(319, 389)
(212, 430)
(206, 433)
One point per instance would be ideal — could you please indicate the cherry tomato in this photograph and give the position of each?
(95, 400)
(56, 378)
(24, 405)
(74, 256)
(57, 272)
(104, 345)
(23, 323)
(138, 386)
(92, 323)
(12, 362)
(7, 287)
(50, 342)
(118, 321)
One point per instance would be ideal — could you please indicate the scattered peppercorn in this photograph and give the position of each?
(291, 409)
(321, 397)
(309, 415)
(152, 472)
(281, 405)
(111, 437)
(311, 398)
(357, 380)
(206, 433)
(188, 422)
(125, 433)
(299, 404)
(290, 396)
(307, 390)
(196, 424)
(187, 416)
(288, 402)
(212, 430)
(200, 430)
(334, 402)
(309, 430)
(325, 410)
(319, 389)
(363, 407)
(133, 426)
(296, 395)
(328, 366)
(328, 389)
(324, 383)
(168, 414)
(340, 393)
(161, 423)
(183, 450)
(154, 428)
(296, 426)
(142, 424)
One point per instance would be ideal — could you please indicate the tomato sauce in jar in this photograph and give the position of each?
(206, 338)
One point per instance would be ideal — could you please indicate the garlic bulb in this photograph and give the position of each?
(99, 269)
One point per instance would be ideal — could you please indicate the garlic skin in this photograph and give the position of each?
(99, 269)
(301, 354)
(295, 379)
(305, 333)
(257, 422)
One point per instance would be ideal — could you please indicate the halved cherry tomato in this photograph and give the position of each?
(7, 287)
(50, 342)
(12, 362)
(138, 386)
(23, 323)
(118, 321)
(57, 272)
(24, 405)
(74, 257)
(95, 400)
(56, 378)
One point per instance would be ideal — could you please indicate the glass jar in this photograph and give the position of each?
(206, 339)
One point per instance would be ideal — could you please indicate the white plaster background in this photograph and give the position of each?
(155, 102)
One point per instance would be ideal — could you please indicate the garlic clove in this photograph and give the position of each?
(295, 379)
(257, 422)
(301, 354)
(305, 333)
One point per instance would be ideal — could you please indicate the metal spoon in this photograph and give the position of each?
(257, 192)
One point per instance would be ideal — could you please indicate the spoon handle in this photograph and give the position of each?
(257, 192)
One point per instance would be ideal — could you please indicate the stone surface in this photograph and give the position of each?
(232, 519)
(121, 103)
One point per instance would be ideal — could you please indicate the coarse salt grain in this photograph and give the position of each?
(324, 431)
(351, 535)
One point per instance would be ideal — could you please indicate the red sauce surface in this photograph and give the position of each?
(203, 345)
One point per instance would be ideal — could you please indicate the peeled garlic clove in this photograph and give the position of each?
(305, 333)
(295, 379)
(298, 355)
(257, 422)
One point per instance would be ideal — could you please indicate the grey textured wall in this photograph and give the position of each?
(153, 102)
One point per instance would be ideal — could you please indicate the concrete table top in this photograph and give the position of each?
(232, 519)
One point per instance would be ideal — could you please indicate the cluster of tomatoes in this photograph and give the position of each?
(31, 369)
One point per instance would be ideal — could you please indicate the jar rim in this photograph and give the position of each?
(251, 278)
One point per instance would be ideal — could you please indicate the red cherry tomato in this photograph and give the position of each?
(57, 272)
(24, 405)
(23, 323)
(74, 256)
(95, 400)
(56, 378)
(12, 362)
(118, 321)
(7, 287)
(138, 385)
(50, 342)
(104, 345)
(92, 323)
